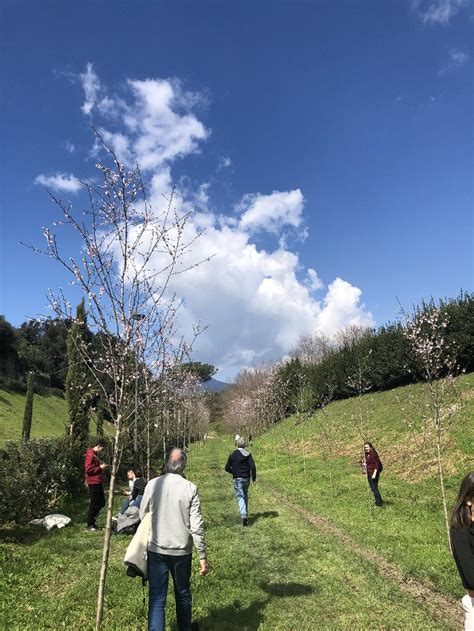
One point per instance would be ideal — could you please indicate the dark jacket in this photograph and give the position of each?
(462, 540)
(92, 467)
(372, 462)
(138, 488)
(240, 463)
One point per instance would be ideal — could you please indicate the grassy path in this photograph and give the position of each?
(441, 606)
(285, 573)
(288, 571)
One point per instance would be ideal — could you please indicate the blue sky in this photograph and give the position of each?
(326, 136)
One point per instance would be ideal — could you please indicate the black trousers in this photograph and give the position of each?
(374, 486)
(96, 504)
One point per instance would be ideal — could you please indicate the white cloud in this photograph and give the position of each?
(457, 59)
(271, 212)
(342, 308)
(313, 281)
(91, 85)
(151, 123)
(252, 300)
(437, 11)
(224, 163)
(70, 147)
(60, 182)
(256, 302)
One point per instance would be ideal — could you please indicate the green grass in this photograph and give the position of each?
(283, 572)
(409, 531)
(50, 416)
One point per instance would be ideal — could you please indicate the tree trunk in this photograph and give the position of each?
(108, 530)
(441, 477)
(28, 413)
(135, 424)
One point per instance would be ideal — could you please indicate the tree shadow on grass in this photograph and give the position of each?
(266, 515)
(249, 618)
(24, 535)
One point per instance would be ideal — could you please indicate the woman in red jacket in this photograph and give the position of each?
(373, 468)
(95, 482)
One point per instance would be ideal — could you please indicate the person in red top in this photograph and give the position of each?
(373, 468)
(95, 482)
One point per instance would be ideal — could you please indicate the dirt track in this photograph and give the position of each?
(446, 609)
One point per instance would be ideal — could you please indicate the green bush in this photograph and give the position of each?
(35, 475)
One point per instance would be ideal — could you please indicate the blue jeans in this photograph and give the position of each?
(129, 502)
(241, 487)
(374, 485)
(159, 565)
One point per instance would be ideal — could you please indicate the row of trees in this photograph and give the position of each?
(39, 346)
(126, 359)
(358, 360)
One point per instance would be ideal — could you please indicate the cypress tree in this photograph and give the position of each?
(28, 414)
(77, 390)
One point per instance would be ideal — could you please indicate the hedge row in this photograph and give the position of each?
(381, 360)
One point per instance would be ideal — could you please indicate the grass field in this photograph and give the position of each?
(313, 557)
(49, 416)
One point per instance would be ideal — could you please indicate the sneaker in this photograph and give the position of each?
(245, 521)
(91, 529)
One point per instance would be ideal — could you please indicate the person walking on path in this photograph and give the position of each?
(462, 543)
(373, 467)
(95, 482)
(176, 522)
(241, 465)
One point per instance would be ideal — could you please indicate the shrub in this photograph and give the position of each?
(35, 475)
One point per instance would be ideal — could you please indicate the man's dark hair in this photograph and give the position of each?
(100, 443)
(137, 472)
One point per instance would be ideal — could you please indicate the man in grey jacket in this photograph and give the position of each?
(176, 523)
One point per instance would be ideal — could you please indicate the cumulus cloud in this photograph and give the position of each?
(457, 59)
(150, 122)
(255, 301)
(271, 212)
(437, 11)
(62, 182)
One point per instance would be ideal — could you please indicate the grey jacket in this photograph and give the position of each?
(176, 520)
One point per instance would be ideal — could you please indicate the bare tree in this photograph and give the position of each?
(312, 349)
(128, 257)
(426, 332)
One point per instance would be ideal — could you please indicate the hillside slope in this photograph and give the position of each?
(49, 416)
(313, 463)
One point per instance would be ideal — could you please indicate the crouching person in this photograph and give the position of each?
(176, 522)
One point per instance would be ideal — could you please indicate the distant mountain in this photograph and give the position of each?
(214, 385)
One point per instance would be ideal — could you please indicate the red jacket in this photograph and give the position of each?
(92, 466)
(372, 462)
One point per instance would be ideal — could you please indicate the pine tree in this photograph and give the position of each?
(77, 391)
(28, 414)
